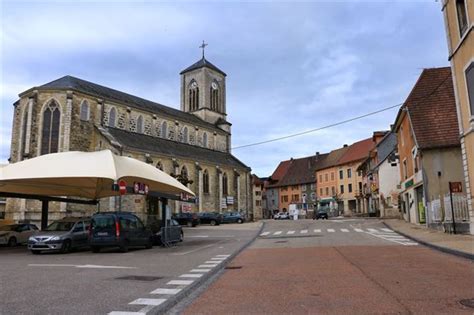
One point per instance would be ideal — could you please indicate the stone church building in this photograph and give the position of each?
(193, 144)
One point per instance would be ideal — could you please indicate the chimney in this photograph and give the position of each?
(345, 146)
(317, 154)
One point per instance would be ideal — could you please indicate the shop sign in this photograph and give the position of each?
(223, 203)
(140, 188)
(409, 183)
(230, 200)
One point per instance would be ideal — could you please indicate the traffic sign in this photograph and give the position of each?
(122, 187)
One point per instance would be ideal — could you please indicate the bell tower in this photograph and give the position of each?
(203, 92)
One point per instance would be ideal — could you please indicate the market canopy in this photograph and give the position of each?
(89, 175)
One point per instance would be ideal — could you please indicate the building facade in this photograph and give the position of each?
(459, 22)
(193, 144)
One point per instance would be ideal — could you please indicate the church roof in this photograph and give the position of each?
(203, 63)
(150, 144)
(73, 83)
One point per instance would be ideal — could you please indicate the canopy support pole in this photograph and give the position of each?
(44, 214)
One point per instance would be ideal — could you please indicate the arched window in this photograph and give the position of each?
(164, 130)
(214, 93)
(205, 182)
(204, 140)
(112, 117)
(193, 92)
(159, 166)
(224, 184)
(85, 111)
(50, 131)
(185, 134)
(140, 124)
(23, 132)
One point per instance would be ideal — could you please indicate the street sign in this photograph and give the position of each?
(140, 188)
(455, 187)
(122, 187)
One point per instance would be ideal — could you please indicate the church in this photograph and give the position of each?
(192, 144)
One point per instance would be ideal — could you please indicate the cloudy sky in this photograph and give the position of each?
(291, 66)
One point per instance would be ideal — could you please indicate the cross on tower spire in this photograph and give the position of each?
(203, 46)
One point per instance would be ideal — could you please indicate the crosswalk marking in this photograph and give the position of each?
(386, 230)
(223, 256)
(165, 291)
(200, 270)
(317, 230)
(277, 233)
(180, 282)
(344, 230)
(304, 231)
(290, 232)
(358, 230)
(372, 230)
(264, 233)
(207, 266)
(191, 275)
(153, 302)
(392, 237)
(331, 230)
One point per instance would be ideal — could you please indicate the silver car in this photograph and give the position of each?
(61, 235)
(14, 234)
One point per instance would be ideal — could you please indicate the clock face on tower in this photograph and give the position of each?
(214, 85)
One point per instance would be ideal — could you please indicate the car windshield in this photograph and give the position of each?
(60, 226)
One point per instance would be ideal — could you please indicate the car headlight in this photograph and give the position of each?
(55, 238)
(31, 239)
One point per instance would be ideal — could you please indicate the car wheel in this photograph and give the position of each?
(12, 241)
(95, 249)
(36, 252)
(213, 222)
(149, 244)
(66, 248)
(181, 237)
(190, 224)
(124, 247)
(240, 221)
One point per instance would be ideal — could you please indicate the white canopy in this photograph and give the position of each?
(83, 174)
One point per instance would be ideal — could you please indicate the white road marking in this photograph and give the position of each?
(213, 262)
(386, 230)
(358, 230)
(200, 270)
(291, 232)
(372, 230)
(153, 302)
(206, 266)
(126, 313)
(331, 230)
(198, 236)
(165, 291)
(180, 282)
(277, 233)
(218, 258)
(264, 233)
(191, 275)
(317, 231)
(399, 240)
(304, 231)
(345, 230)
(227, 255)
(81, 266)
(197, 249)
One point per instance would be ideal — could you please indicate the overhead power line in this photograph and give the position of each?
(318, 129)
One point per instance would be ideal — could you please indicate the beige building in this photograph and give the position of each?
(70, 114)
(459, 22)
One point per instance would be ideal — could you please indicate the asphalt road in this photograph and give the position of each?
(88, 283)
(349, 266)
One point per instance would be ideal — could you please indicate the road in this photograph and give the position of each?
(349, 266)
(138, 282)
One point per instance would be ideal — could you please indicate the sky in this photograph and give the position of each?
(291, 66)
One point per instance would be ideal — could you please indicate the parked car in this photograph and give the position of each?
(232, 217)
(118, 229)
(281, 216)
(212, 218)
(14, 234)
(321, 214)
(186, 218)
(173, 233)
(62, 235)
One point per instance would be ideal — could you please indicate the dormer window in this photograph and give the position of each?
(193, 96)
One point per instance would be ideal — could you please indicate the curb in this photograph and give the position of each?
(446, 250)
(171, 302)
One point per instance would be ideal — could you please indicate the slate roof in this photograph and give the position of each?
(73, 83)
(301, 171)
(331, 159)
(202, 63)
(357, 151)
(145, 143)
(386, 146)
(432, 109)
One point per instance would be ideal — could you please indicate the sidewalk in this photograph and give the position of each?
(457, 244)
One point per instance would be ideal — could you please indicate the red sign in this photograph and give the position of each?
(455, 187)
(122, 187)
